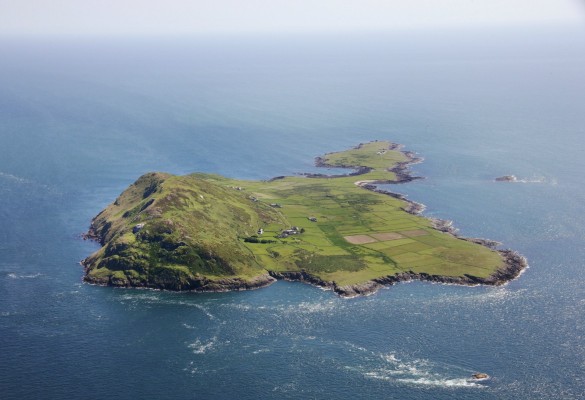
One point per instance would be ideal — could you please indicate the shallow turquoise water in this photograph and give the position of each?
(81, 121)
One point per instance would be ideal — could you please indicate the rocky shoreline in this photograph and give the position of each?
(197, 284)
(512, 268)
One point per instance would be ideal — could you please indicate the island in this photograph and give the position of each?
(506, 178)
(206, 232)
(480, 376)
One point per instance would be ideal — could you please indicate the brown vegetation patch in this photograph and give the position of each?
(360, 239)
(387, 236)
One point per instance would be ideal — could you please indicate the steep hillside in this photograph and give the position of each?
(178, 232)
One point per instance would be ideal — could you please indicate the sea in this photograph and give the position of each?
(81, 118)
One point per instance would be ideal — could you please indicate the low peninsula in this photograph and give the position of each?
(205, 232)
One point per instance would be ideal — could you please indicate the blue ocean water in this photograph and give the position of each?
(82, 119)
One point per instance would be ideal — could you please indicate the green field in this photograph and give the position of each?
(204, 225)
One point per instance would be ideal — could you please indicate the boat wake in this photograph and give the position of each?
(416, 371)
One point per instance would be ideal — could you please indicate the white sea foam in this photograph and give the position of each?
(418, 372)
(30, 276)
(145, 297)
(317, 307)
(414, 371)
(240, 306)
(454, 383)
(205, 310)
(200, 347)
(492, 295)
(300, 308)
(309, 307)
(155, 298)
(7, 177)
(353, 347)
(538, 179)
(191, 368)
(261, 351)
(286, 388)
(14, 178)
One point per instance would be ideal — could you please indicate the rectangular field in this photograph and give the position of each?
(360, 239)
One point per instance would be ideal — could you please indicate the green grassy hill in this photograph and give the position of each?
(176, 232)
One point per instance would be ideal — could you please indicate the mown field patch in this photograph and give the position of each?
(360, 239)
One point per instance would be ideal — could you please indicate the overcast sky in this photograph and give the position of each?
(279, 16)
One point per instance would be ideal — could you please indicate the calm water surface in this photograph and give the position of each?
(79, 121)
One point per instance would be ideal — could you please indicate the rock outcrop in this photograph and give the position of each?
(506, 178)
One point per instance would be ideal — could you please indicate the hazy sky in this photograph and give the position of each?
(250, 16)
